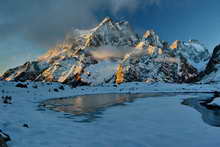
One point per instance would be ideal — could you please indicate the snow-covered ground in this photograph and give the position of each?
(133, 125)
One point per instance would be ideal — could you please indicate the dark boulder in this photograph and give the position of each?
(20, 85)
(211, 66)
(215, 60)
(3, 139)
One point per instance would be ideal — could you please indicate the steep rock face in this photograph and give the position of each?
(153, 61)
(56, 66)
(195, 53)
(163, 68)
(212, 71)
(67, 67)
(214, 61)
(112, 52)
(28, 71)
(118, 34)
(150, 38)
(119, 75)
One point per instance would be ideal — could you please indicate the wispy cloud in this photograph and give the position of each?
(130, 5)
(46, 21)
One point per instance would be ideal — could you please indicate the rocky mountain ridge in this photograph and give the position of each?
(113, 53)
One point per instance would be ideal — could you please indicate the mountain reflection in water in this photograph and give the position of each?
(91, 107)
(92, 103)
(210, 112)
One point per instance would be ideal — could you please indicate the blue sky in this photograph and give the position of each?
(29, 28)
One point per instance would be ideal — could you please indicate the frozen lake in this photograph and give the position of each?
(139, 120)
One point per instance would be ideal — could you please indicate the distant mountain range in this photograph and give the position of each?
(113, 53)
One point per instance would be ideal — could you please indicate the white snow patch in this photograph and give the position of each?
(97, 73)
(48, 128)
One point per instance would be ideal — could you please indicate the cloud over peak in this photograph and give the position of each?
(47, 21)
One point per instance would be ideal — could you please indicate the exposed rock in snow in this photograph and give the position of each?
(151, 42)
(212, 71)
(3, 139)
(164, 67)
(195, 53)
(28, 71)
(153, 61)
(91, 57)
(100, 73)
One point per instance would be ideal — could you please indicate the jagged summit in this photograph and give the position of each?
(106, 20)
(108, 32)
(113, 50)
(150, 38)
(149, 33)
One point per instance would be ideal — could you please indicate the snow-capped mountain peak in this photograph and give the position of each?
(150, 38)
(196, 53)
(93, 56)
(149, 34)
(105, 21)
(108, 32)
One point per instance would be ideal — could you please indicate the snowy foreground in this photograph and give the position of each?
(28, 126)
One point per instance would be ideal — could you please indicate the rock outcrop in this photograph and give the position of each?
(4, 138)
(212, 70)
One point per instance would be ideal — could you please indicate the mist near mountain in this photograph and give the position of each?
(106, 52)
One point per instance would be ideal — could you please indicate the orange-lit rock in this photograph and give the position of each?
(176, 44)
(150, 50)
(160, 51)
(120, 75)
